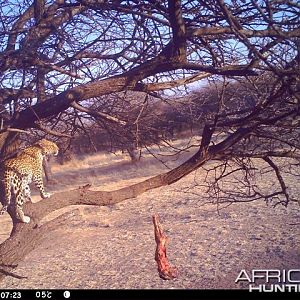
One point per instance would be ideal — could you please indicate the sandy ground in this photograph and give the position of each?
(113, 247)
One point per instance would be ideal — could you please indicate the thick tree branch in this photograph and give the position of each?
(213, 31)
(152, 87)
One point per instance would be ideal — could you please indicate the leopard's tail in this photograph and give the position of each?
(4, 206)
(7, 192)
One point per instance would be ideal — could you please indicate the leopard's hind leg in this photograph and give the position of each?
(20, 194)
(26, 190)
(20, 198)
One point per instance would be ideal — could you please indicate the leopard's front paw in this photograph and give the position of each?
(26, 219)
(46, 195)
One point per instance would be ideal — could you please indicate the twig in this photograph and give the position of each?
(7, 273)
(15, 130)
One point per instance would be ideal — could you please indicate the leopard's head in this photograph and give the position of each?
(48, 147)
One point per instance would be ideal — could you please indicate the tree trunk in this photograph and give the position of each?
(134, 154)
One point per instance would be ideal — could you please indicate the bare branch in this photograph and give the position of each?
(97, 114)
(279, 177)
(9, 129)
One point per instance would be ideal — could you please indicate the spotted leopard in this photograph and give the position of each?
(19, 172)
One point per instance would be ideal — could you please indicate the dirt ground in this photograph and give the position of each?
(113, 247)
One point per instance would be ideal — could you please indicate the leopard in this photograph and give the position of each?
(20, 171)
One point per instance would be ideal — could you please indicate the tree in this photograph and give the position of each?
(58, 58)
